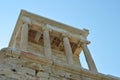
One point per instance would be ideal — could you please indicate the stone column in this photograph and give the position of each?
(37, 37)
(15, 38)
(24, 37)
(88, 57)
(77, 60)
(68, 50)
(47, 44)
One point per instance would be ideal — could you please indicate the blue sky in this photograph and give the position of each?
(101, 17)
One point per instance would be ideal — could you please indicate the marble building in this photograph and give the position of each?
(44, 49)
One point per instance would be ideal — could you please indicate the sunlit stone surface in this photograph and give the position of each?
(43, 49)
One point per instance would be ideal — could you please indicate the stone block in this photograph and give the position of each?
(61, 72)
(64, 79)
(16, 53)
(47, 69)
(40, 68)
(28, 71)
(58, 72)
(43, 78)
(68, 75)
(43, 75)
(54, 78)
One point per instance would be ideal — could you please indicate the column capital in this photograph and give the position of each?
(46, 28)
(26, 20)
(66, 34)
(26, 24)
(84, 42)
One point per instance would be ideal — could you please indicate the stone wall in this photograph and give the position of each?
(18, 65)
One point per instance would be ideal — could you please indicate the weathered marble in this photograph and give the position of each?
(43, 49)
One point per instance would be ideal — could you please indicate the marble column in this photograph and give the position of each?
(88, 58)
(24, 37)
(77, 60)
(68, 50)
(37, 37)
(47, 44)
(15, 38)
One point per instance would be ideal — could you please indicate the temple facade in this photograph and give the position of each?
(43, 49)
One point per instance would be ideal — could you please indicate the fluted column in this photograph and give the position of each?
(24, 37)
(47, 44)
(68, 50)
(88, 58)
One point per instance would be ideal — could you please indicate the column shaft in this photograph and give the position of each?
(88, 57)
(15, 39)
(77, 60)
(47, 44)
(24, 37)
(37, 37)
(68, 50)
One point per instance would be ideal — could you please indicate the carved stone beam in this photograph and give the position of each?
(69, 34)
(80, 37)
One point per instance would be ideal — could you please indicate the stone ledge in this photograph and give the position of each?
(29, 57)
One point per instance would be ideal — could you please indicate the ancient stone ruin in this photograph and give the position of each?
(43, 49)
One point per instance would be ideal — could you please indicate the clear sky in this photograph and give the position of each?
(101, 17)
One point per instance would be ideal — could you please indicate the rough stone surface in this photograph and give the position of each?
(43, 49)
(24, 68)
